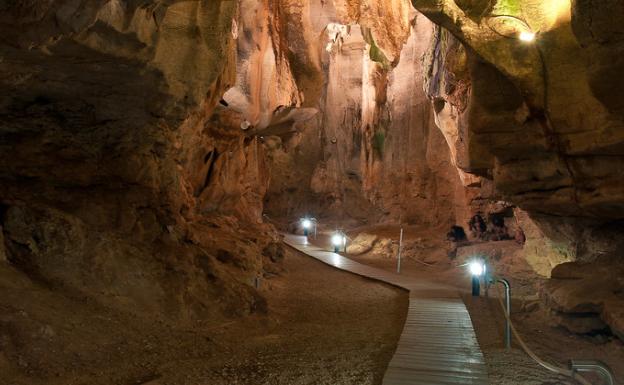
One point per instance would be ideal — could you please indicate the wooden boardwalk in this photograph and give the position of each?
(438, 345)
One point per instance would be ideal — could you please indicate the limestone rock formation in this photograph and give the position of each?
(587, 297)
(361, 244)
(141, 140)
(117, 181)
(539, 120)
(516, 125)
(374, 127)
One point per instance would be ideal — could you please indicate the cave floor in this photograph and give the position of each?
(313, 333)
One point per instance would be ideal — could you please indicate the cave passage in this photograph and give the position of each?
(294, 191)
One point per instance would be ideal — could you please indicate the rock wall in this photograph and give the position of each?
(512, 115)
(374, 127)
(541, 122)
(140, 140)
(143, 141)
(118, 181)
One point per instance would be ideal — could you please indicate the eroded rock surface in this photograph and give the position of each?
(117, 181)
(587, 298)
(517, 125)
(372, 152)
(141, 140)
(362, 243)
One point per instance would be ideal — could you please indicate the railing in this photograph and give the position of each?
(507, 311)
(575, 367)
(593, 366)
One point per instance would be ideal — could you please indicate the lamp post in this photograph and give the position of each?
(339, 239)
(477, 269)
(306, 223)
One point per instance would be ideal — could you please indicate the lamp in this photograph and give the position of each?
(338, 239)
(477, 268)
(526, 36)
(306, 224)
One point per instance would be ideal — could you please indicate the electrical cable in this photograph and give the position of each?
(508, 36)
(529, 352)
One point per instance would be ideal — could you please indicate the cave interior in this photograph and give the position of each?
(154, 152)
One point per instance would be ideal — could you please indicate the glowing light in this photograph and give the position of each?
(527, 36)
(338, 239)
(306, 223)
(476, 268)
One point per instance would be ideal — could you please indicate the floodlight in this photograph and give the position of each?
(527, 36)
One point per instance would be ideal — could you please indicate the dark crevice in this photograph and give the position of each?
(544, 190)
(3, 236)
(208, 156)
(3, 211)
(210, 159)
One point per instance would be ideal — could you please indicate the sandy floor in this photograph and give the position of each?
(323, 327)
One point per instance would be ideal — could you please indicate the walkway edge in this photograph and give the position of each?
(438, 345)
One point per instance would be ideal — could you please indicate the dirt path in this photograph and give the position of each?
(325, 327)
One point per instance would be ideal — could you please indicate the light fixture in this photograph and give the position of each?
(477, 268)
(527, 36)
(306, 223)
(339, 239)
(512, 27)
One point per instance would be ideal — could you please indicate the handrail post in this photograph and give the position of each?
(507, 311)
(593, 366)
(399, 256)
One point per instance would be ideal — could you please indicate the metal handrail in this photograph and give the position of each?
(507, 311)
(593, 366)
(575, 367)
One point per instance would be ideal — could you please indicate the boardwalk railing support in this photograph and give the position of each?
(399, 255)
(507, 311)
(593, 366)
